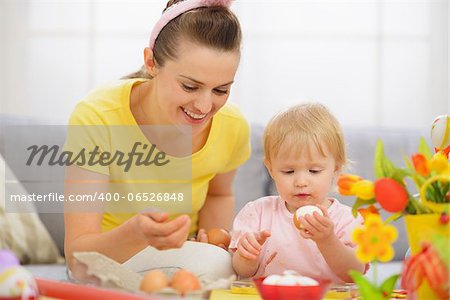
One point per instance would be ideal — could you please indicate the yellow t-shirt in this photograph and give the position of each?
(178, 186)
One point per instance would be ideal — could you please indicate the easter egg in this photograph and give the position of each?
(16, 281)
(440, 132)
(7, 259)
(302, 212)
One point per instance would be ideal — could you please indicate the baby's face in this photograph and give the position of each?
(303, 179)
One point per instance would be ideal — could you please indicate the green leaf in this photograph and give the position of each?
(366, 289)
(425, 149)
(382, 164)
(393, 217)
(388, 285)
(399, 175)
(360, 202)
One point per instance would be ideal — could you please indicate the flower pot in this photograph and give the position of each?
(422, 228)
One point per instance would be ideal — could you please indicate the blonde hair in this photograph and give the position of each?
(300, 127)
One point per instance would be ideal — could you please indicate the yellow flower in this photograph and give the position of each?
(374, 240)
(363, 189)
(438, 163)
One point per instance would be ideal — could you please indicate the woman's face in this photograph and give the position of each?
(192, 88)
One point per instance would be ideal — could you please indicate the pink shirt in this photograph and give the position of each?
(292, 251)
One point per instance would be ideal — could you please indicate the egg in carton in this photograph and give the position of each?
(128, 276)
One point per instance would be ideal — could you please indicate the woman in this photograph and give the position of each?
(189, 68)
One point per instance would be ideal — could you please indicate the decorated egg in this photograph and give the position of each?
(303, 211)
(440, 133)
(16, 281)
(7, 259)
(217, 236)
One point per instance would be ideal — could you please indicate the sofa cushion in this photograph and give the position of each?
(23, 233)
(26, 129)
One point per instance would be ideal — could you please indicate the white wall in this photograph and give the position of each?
(373, 62)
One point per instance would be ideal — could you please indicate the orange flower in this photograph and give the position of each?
(345, 183)
(420, 164)
(391, 195)
(367, 211)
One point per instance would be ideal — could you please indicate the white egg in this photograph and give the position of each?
(307, 281)
(288, 280)
(290, 272)
(307, 210)
(272, 279)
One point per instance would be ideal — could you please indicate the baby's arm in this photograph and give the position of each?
(340, 257)
(246, 257)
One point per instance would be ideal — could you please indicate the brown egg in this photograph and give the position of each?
(184, 281)
(153, 281)
(217, 236)
(302, 212)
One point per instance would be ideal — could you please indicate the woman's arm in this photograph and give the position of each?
(83, 229)
(217, 212)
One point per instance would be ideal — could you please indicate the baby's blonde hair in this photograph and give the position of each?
(300, 127)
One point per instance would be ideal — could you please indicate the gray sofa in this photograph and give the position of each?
(252, 180)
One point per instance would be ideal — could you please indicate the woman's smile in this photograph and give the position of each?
(194, 118)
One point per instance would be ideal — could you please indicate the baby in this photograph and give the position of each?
(304, 152)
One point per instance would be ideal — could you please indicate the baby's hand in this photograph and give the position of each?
(316, 227)
(250, 244)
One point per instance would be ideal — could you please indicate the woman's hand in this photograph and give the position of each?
(202, 236)
(250, 244)
(316, 227)
(154, 228)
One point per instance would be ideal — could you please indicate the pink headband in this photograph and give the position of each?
(179, 8)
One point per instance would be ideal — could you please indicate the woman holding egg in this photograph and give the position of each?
(302, 229)
(189, 68)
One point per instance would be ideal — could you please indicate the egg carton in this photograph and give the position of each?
(97, 269)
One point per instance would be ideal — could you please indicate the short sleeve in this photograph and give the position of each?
(241, 148)
(247, 220)
(87, 138)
